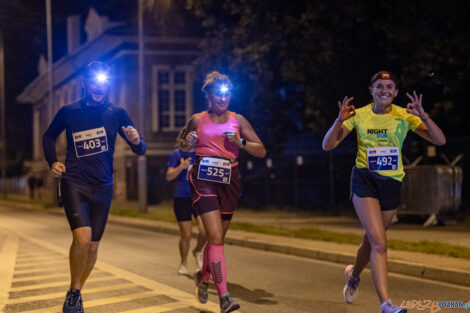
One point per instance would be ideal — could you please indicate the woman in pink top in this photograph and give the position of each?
(218, 134)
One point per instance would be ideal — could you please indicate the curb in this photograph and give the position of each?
(394, 266)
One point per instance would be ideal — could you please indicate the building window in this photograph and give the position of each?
(179, 77)
(172, 102)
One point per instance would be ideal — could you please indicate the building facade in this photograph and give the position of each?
(169, 99)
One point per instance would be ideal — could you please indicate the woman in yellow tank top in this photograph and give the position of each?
(381, 128)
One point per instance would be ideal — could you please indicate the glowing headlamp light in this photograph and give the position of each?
(101, 78)
(223, 91)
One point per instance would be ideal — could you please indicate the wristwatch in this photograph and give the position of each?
(243, 142)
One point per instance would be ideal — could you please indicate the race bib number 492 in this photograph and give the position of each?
(89, 142)
(383, 158)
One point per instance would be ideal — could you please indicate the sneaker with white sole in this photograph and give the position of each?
(351, 289)
(183, 270)
(227, 304)
(388, 307)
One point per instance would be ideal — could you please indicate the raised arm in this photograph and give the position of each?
(338, 131)
(189, 134)
(130, 134)
(432, 133)
(173, 172)
(253, 144)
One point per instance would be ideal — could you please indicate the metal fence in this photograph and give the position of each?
(321, 182)
(432, 189)
(16, 185)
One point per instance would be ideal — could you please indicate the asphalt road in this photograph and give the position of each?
(136, 272)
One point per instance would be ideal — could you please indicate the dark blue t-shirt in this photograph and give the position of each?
(91, 135)
(182, 189)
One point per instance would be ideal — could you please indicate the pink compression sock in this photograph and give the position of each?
(205, 270)
(217, 267)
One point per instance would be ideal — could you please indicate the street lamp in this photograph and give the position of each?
(141, 159)
(2, 113)
(50, 109)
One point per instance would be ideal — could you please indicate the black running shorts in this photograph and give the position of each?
(367, 184)
(87, 205)
(183, 209)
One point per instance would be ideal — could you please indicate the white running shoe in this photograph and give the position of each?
(183, 270)
(199, 258)
(351, 289)
(388, 307)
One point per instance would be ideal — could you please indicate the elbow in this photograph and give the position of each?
(262, 153)
(168, 177)
(326, 147)
(140, 151)
(441, 142)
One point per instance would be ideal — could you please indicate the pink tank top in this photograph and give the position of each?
(211, 140)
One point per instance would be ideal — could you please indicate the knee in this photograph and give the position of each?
(379, 245)
(216, 239)
(82, 243)
(186, 236)
(93, 249)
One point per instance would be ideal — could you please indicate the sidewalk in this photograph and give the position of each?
(422, 265)
(451, 234)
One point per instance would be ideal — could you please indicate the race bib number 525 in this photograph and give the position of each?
(215, 170)
(89, 142)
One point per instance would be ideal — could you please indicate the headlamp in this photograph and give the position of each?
(384, 75)
(223, 91)
(101, 78)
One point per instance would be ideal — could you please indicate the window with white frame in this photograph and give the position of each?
(172, 94)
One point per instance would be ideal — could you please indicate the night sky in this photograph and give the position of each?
(23, 23)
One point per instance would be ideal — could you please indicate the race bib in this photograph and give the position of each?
(89, 142)
(383, 158)
(215, 170)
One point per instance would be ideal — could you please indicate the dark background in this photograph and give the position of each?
(290, 62)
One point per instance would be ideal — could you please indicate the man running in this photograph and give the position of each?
(91, 125)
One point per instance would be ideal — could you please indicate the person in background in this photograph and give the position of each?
(181, 160)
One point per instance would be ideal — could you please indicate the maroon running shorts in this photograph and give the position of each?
(209, 196)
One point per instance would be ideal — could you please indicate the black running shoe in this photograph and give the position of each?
(73, 302)
(227, 304)
(201, 288)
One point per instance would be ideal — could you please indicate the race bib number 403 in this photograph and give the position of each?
(215, 170)
(89, 142)
(383, 158)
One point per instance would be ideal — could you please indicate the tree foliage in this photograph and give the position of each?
(293, 60)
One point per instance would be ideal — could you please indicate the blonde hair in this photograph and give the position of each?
(180, 137)
(215, 78)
